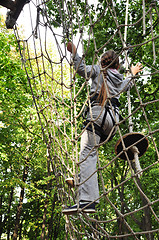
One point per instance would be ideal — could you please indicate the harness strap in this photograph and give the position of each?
(107, 109)
(114, 101)
(99, 129)
(104, 117)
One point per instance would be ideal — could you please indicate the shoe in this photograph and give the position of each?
(70, 182)
(86, 207)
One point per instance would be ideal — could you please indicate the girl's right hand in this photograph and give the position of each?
(71, 48)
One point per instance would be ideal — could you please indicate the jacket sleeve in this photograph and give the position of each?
(127, 83)
(85, 71)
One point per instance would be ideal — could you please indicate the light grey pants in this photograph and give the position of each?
(89, 190)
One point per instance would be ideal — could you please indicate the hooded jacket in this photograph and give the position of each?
(115, 81)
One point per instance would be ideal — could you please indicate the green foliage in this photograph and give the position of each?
(23, 160)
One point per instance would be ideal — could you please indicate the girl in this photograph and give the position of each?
(105, 92)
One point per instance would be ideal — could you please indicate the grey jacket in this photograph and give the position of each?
(115, 81)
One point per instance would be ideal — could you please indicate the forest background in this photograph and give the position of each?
(29, 204)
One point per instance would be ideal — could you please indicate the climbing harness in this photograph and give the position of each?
(99, 129)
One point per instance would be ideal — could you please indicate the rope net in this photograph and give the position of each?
(128, 205)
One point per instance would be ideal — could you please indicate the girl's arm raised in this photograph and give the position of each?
(71, 48)
(137, 68)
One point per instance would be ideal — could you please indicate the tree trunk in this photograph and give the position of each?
(44, 221)
(121, 225)
(44, 234)
(1, 224)
(146, 220)
(9, 207)
(20, 230)
(52, 232)
(19, 208)
(37, 217)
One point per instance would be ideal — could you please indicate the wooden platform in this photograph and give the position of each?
(129, 139)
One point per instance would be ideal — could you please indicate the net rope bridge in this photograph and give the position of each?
(128, 206)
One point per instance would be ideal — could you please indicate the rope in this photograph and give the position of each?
(134, 149)
(57, 91)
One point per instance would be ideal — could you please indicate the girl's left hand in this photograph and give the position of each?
(137, 68)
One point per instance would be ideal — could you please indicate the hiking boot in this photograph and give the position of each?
(70, 181)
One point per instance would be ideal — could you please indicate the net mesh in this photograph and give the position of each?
(128, 204)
